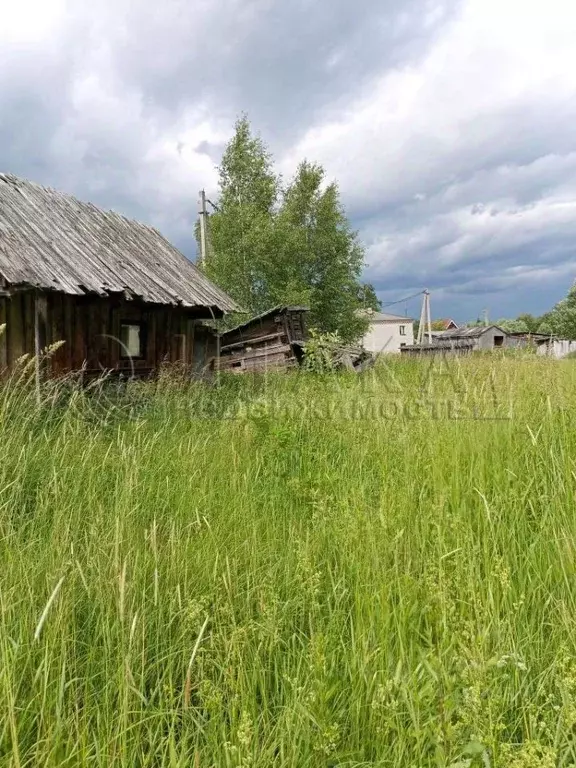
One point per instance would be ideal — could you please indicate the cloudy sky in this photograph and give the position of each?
(449, 124)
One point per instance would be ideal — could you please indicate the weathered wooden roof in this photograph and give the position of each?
(472, 332)
(263, 315)
(50, 240)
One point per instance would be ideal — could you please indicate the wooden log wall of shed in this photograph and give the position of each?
(269, 341)
(267, 327)
(3, 337)
(18, 338)
(288, 323)
(90, 328)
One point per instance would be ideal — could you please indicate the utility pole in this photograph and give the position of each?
(428, 319)
(425, 319)
(485, 315)
(420, 337)
(203, 216)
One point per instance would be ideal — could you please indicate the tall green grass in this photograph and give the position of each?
(374, 570)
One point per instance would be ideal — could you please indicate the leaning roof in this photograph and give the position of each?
(263, 315)
(52, 241)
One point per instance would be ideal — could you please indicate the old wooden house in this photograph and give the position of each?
(274, 339)
(115, 291)
(463, 341)
(481, 337)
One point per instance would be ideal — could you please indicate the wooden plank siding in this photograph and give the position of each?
(272, 340)
(90, 328)
(3, 336)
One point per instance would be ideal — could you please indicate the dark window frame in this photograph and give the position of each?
(143, 340)
(402, 330)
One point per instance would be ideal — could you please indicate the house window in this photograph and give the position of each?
(132, 340)
(402, 330)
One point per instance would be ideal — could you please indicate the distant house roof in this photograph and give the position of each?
(447, 323)
(469, 333)
(384, 317)
(52, 241)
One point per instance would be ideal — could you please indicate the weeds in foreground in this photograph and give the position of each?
(297, 571)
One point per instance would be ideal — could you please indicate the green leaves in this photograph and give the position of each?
(368, 299)
(562, 319)
(271, 245)
(474, 754)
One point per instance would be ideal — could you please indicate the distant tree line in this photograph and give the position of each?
(559, 321)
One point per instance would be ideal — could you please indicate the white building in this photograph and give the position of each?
(387, 333)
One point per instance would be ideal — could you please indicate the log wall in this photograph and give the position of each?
(90, 329)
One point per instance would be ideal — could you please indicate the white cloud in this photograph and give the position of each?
(486, 120)
(28, 22)
(463, 236)
(494, 58)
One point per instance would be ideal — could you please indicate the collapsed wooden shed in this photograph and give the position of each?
(115, 291)
(273, 340)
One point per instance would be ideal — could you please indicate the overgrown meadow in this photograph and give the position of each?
(296, 570)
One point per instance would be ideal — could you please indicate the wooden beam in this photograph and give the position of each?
(258, 353)
(252, 342)
(40, 326)
(3, 336)
(15, 324)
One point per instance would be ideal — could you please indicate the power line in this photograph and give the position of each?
(401, 301)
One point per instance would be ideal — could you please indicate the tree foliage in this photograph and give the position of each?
(367, 297)
(270, 244)
(561, 320)
(531, 322)
(524, 323)
(512, 326)
(241, 232)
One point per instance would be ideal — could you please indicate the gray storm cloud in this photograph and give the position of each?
(449, 125)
